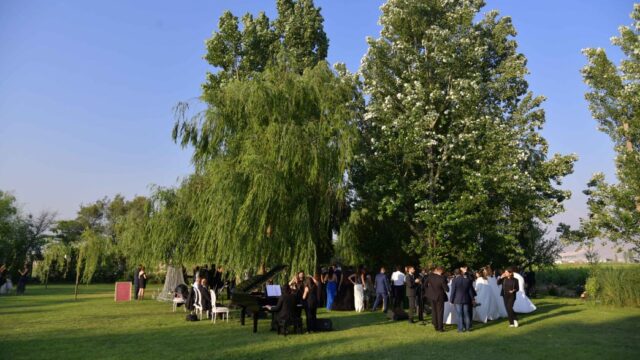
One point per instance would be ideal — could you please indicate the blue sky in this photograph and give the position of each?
(87, 87)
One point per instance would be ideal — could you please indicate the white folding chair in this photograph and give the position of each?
(197, 304)
(178, 300)
(217, 309)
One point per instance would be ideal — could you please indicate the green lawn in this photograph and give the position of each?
(48, 324)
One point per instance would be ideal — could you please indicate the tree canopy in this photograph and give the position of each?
(273, 146)
(452, 152)
(614, 101)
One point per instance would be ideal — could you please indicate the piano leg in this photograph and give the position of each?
(255, 321)
(243, 313)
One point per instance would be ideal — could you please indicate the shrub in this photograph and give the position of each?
(619, 286)
(565, 276)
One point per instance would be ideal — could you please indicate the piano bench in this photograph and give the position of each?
(283, 326)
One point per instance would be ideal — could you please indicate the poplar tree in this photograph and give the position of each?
(452, 155)
(614, 101)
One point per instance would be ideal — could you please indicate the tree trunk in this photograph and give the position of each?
(46, 279)
(76, 288)
(625, 127)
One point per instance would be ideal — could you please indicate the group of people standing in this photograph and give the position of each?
(5, 280)
(459, 297)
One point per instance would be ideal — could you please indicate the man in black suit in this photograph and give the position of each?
(411, 285)
(464, 269)
(462, 297)
(437, 289)
(510, 287)
(136, 281)
(205, 296)
(286, 307)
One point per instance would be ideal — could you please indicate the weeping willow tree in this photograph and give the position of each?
(93, 249)
(158, 232)
(272, 149)
(55, 257)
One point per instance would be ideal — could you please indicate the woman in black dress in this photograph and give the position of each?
(142, 283)
(344, 298)
(310, 302)
(22, 282)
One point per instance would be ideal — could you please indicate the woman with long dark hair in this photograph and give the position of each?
(22, 282)
(142, 282)
(310, 302)
(331, 282)
(358, 281)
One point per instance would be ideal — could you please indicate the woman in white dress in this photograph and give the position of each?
(487, 308)
(497, 289)
(358, 281)
(522, 305)
(450, 317)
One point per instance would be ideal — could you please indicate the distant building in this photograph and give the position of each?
(604, 253)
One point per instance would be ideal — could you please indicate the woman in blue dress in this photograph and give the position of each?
(331, 282)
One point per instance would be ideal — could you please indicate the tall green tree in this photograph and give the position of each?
(21, 236)
(452, 147)
(614, 101)
(272, 149)
(56, 257)
(93, 250)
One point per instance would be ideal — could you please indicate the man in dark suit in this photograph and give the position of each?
(286, 308)
(411, 285)
(422, 288)
(136, 281)
(462, 297)
(436, 293)
(464, 270)
(510, 287)
(383, 288)
(205, 296)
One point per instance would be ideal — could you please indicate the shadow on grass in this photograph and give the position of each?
(206, 341)
(151, 331)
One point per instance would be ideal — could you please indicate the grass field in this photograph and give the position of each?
(48, 324)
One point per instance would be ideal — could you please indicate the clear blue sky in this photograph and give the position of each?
(87, 87)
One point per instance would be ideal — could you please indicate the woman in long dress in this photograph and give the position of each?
(450, 317)
(358, 281)
(487, 307)
(497, 289)
(331, 282)
(522, 305)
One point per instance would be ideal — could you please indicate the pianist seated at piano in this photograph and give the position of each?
(286, 309)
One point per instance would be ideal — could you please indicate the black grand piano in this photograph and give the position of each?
(249, 297)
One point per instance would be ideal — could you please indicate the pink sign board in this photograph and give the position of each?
(123, 291)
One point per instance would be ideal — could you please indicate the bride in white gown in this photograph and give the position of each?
(449, 310)
(487, 308)
(497, 289)
(522, 305)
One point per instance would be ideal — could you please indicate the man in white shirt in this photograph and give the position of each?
(397, 283)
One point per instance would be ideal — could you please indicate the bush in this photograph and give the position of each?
(565, 276)
(619, 286)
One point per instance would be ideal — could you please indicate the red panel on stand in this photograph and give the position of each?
(123, 291)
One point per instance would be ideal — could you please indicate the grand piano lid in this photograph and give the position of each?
(257, 281)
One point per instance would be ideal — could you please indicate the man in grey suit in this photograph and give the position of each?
(383, 288)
